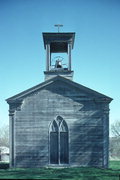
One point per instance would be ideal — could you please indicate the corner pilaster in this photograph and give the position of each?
(13, 106)
(106, 136)
(11, 138)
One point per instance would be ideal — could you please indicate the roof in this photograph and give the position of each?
(40, 86)
(58, 41)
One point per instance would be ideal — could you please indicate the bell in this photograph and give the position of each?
(58, 64)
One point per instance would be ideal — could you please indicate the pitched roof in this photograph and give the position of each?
(36, 88)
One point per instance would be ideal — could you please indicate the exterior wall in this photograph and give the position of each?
(83, 115)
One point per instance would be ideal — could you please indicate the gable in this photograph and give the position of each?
(61, 86)
(65, 89)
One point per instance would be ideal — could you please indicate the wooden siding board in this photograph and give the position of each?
(82, 114)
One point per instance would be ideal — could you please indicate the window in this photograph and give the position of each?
(58, 141)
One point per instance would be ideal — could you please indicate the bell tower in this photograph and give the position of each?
(60, 44)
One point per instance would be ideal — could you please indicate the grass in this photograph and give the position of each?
(81, 173)
(114, 164)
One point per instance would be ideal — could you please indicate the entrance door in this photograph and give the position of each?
(59, 142)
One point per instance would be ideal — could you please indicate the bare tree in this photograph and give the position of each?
(114, 147)
(4, 136)
(115, 129)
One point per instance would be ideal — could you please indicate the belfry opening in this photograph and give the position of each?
(58, 48)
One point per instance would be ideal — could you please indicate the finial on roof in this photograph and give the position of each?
(58, 26)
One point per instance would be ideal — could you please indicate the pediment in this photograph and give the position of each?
(63, 86)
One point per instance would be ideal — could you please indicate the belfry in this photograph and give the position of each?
(58, 43)
(59, 123)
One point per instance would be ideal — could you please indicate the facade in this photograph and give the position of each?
(59, 122)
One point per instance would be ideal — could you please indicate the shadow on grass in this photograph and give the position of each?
(82, 173)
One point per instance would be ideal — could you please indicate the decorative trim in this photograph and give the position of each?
(14, 106)
(98, 96)
(102, 100)
(11, 142)
(106, 135)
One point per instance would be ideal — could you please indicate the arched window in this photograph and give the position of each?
(54, 143)
(58, 133)
(63, 130)
(63, 126)
(53, 127)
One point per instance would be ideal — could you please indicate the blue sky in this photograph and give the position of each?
(96, 53)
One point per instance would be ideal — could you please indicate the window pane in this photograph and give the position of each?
(54, 148)
(63, 147)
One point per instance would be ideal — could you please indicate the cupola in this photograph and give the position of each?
(56, 45)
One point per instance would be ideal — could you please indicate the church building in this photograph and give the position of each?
(59, 123)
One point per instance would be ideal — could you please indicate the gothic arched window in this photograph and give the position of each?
(58, 133)
(63, 131)
(54, 143)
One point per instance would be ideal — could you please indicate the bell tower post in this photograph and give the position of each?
(69, 55)
(47, 57)
(58, 43)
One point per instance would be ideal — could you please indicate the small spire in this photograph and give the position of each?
(58, 26)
